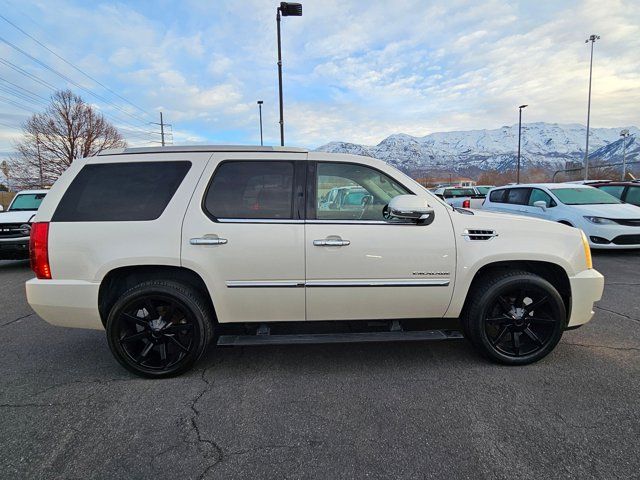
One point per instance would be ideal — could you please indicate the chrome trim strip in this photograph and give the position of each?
(378, 283)
(257, 220)
(264, 284)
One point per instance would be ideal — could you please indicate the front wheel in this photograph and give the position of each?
(159, 328)
(515, 318)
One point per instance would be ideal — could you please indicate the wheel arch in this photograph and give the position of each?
(121, 279)
(555, 274)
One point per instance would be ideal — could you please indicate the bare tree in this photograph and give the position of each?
(68, 129)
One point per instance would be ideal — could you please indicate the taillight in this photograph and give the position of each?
(466, 203)
(39, 250)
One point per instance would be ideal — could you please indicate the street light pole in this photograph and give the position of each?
(519, 136)
(591, 39)
(288, 10)
(260, 102)
(624, 134)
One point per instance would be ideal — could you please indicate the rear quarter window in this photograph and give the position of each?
(497, 196)
(133, 191)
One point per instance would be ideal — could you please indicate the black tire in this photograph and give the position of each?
(515, 318)
(149, 344)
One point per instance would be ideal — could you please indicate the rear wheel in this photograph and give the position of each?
(516, 318)
(159, 328)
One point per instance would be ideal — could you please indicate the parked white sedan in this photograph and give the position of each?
(607, 222)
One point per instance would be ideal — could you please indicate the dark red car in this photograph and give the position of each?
(628, 192)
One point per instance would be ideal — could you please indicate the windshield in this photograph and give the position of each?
(458, 192)
(26, 201)
(583, 196)
(483, 190)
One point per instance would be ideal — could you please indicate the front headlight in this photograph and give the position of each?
(600, 221)
(587, 250)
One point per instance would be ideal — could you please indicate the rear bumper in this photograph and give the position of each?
(586, 289)
(65, 303)
(14, 249)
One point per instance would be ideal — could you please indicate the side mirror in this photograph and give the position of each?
(541, 204)
(411, 207)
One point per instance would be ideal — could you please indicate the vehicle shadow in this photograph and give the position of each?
(13, 265)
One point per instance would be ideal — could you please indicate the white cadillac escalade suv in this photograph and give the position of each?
(168, 249)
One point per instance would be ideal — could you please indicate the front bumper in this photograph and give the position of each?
(612, 236)
(65, 303)
(586, 289)
(14, 249)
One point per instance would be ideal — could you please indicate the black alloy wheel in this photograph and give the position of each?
(516, 318)
(158, 329)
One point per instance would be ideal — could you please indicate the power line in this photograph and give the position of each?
(71, 81)
(53, 88)
(72, 65)
(13, 102)
(23, 89)
(18, 94)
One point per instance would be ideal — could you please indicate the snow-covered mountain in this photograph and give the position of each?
(546, 145)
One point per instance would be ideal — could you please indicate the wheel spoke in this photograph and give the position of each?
(137, 320)
(169, 311)
(530, 308)
(540, 320)
(519, 300)
(177, 328)
(529, 333)
(500, 336)
(134, 337)
(145, 352)
(515, 336)
(500, 320)
(177, 343)
(151, 309)
(163, 352)
(506, 306)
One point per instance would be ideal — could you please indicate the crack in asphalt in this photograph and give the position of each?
(17, 319)
(194, 425)
(587, 345)
(617, 313)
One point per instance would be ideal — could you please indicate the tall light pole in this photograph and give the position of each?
(519, 135)
(624, 134)
(260, 102)
(287, 9)
(591, 39)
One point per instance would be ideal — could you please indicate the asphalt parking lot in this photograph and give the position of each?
(415, 410)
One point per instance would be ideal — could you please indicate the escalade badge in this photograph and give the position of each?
(431, 274)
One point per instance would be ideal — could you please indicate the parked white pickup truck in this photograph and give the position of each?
(240, 245)
(15, 224)
(461, 197)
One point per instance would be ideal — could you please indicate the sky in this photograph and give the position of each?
(354, 71)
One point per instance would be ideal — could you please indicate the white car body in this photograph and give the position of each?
(620, 227)
(14, 228)
(381, 255)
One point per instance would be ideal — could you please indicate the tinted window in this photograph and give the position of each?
(121, 191)
(497, 196)
(251, 190)
(361, 192)
(538, 195)
(615, 190)
(459, 192)
(583, 196)
(27, 201)
(633, 196)
(518, 196)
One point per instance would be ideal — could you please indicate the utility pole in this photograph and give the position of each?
(260, 102)
(591, 39)
(519, 135)
(624, 134)
(162, 129)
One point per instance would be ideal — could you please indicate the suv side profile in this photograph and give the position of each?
(236, 245)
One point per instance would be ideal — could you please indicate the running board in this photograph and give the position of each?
(318, 338)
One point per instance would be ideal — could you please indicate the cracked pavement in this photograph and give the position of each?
(391, 410)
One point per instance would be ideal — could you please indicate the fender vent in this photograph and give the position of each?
(470, 234)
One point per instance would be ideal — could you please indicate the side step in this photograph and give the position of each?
(317, 338)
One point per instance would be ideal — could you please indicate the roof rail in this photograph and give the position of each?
(201, 148)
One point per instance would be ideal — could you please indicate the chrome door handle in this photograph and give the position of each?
(331, 242)
(208, 241)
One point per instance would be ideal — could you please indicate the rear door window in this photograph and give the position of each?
(518, 196)
(251, 190)
(122, 192)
